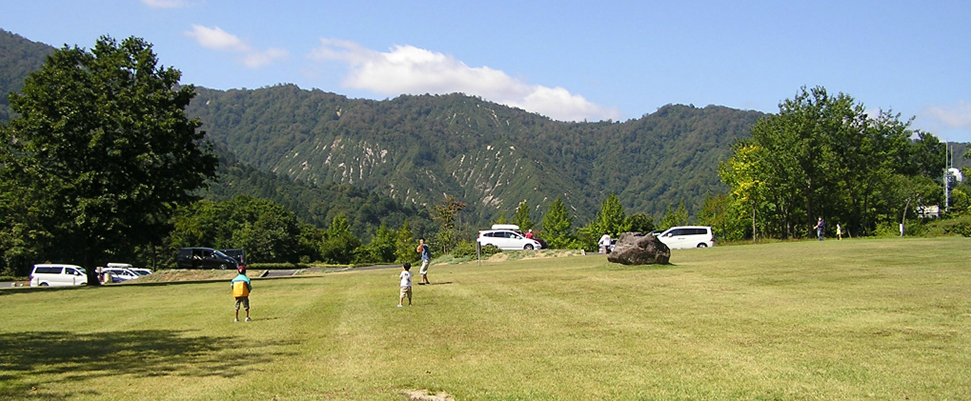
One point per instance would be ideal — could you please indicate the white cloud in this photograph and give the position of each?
(258, 59)
(165, 3)
(955, 116)
(217, 39)
(412, 70)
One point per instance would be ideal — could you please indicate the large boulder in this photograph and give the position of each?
(639, 249)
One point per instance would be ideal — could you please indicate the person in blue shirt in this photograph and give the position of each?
(426, 259)
(241, 288)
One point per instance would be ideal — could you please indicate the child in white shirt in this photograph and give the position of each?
(405, 277)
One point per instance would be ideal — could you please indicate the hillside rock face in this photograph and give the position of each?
(639, 249)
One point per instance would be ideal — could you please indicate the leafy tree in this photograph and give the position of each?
(381, 249)
(523, 220)
(743, 173)
(674, 218)
(340, 243)
(725, 216)
(102, 152)
(446, 213)
(610, 220)
(266, 230)
(404, 244)
(558, 226)
(308, 243)
(641, 222)
(823, 155)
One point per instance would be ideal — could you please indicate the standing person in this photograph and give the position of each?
(426, 258)
(605, 243)
(839, 232)
(819, 228)
(405, 278)
(529, 234)
(241, 288)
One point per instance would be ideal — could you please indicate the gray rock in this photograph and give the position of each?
(639, 249)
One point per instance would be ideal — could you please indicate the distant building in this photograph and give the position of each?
(929, 212)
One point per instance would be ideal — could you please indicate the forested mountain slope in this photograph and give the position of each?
(418, 149)
(421, 148)
(18, 58)
(313, 204)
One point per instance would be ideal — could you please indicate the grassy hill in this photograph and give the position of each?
(849, 320)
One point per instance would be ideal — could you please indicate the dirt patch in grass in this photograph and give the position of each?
(423, 395)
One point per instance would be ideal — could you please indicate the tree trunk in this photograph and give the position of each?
(754, 238)
(93, 278)
(903, 218)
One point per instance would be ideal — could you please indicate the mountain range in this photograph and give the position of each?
(409, 153)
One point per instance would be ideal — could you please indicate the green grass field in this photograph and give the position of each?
(886, 319)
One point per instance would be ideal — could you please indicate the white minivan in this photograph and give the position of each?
(687, 237)
(508, 238)
(54, 275)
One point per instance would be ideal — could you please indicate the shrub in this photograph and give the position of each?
(466, 249)
(960, 225)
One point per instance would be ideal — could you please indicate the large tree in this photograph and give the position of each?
(558, 226)
(825, 156)
(102, 152)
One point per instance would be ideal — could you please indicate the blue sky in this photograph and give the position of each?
(570, 60)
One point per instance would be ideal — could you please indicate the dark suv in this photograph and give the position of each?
(204, 258)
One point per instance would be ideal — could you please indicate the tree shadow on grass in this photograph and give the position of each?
(44, 359)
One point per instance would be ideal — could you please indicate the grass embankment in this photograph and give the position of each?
(862, 319)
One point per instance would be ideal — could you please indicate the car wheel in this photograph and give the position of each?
(43, 284)
(702, 245)
(528, 247)
(222, 267)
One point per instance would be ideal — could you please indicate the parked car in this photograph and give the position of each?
(204, 258)
(118, 274)
(237, 254)
(687, 237)
(141, 271)
(508, 238)
(54, 275)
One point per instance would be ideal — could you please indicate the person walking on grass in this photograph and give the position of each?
(819, 228)
(405, 278)
(426, 259)
(241, 288)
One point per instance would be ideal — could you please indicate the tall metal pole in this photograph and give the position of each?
(947, 180)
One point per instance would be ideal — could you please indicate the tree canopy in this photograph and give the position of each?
(102, 153)
(824, 156)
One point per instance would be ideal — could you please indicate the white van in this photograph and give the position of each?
(508, 238)
(57, 275)
(687, 237)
